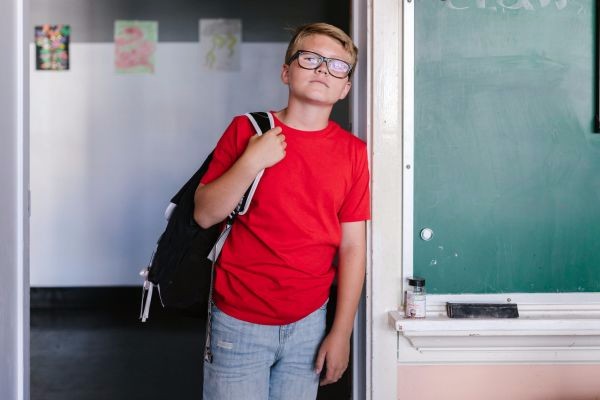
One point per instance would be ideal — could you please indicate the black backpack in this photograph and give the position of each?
(182, 265)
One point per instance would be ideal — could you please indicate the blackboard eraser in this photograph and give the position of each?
(482, 310)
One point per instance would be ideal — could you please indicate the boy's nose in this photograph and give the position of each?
(323, 68)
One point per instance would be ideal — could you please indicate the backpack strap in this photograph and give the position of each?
(262, 122)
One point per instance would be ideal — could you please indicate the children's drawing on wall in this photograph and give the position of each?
(52, 47)
(220, 41)
(135, 44)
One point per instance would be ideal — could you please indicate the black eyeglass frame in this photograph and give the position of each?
(323, 59)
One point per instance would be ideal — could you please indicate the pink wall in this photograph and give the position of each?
(506, 382)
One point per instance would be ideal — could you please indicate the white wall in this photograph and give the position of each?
(109, 150)
(14, 315)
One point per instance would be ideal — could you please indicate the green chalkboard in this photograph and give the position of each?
(506, 164)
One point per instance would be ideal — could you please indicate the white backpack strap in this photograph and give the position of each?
(147, 289)
(169, 210)
(218, 246)
(257, 126)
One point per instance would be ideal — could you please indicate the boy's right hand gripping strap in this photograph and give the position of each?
(262, 122)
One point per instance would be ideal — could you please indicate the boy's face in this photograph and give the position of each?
(317, 86)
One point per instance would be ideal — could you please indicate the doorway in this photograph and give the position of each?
(85, 282)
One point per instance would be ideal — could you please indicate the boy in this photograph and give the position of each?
(274, 273)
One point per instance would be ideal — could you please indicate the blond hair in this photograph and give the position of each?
(321, 28)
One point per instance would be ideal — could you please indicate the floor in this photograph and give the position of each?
(93, 347)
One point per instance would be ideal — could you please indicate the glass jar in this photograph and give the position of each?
(414, 301)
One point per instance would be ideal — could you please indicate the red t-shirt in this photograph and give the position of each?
(276, 265)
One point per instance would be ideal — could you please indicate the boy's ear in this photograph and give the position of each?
(285, 70)
(345, 90)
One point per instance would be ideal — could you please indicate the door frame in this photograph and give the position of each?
(14, 300)
(385, 126)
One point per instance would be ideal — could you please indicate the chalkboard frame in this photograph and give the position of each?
(597, 71)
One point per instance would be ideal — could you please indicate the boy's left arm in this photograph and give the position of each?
(334, 352)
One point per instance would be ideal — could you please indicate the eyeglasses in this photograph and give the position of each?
(309, 60)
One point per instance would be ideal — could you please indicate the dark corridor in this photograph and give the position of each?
(87, 344)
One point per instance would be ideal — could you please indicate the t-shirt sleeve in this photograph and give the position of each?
(229, 148)
(357, 205)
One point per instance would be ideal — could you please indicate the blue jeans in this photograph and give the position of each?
(263, 362)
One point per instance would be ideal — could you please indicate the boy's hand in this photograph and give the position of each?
(334, 354)
(266, 150)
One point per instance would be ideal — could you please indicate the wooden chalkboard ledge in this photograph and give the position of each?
(578, 331)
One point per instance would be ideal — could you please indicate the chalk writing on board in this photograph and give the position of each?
(529, 5)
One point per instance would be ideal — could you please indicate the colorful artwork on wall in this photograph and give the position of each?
(52, 47)
(135, 45)
(220, 41)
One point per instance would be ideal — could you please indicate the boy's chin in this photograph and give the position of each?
(324, 101)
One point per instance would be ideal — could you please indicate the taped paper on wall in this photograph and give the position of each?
(52, 47)
(220, 41)
(135, 45)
